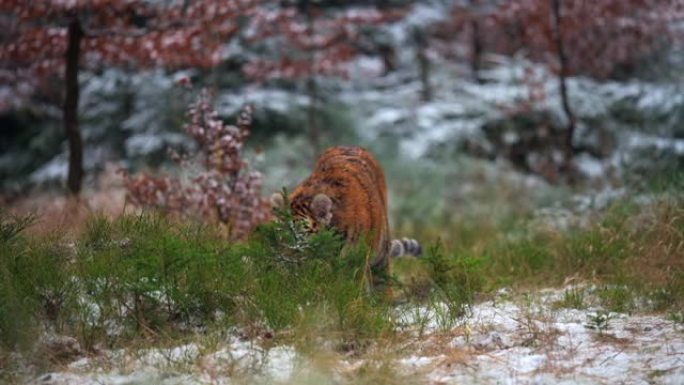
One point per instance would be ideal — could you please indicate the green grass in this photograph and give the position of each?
(635, 252)
(141, 280)
(573, 298)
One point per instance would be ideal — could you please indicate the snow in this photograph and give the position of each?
(550, 347)
(597, 200)
(664, 98)
(414, 361)
(262, 98)
(145, 143)
(175, 355)
(365, 67)
(281, 363)
(386, 116)
(55, 169)
(109, 379)
(638, 141)
(422, 15)
(512, 339)
(590, 166)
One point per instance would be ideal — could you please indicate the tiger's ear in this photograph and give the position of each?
(277, 201)
(321, 208)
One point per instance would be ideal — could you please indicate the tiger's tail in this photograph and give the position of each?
(405, 246)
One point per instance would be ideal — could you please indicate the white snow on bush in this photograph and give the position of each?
(262, 98)
(640, 141)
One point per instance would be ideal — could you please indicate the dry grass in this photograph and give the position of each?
(57, 212)
(659, 253)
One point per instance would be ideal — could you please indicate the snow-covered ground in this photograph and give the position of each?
(512, 339)
(526, 342)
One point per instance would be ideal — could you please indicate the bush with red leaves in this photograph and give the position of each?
(225, 188)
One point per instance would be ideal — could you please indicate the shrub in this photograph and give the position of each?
(224, 188)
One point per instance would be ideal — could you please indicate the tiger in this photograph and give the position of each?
(347, 192)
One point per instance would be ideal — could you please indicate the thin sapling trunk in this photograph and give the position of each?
(562, 77)
(71, 129)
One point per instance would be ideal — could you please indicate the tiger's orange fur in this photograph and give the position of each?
(347, 191)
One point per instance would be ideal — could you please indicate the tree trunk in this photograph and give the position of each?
(476, 46)
(73, 134)
(476, 50)
(389, 58)
(562, 74)
(314, 134)
(311, 89)
(423, 64)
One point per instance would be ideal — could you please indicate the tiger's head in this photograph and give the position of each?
(314, 212)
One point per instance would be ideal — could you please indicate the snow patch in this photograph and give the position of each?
(274, 99)
(56, 169)
(639, 141)
(512, 339)
(554, 347)
(590, 166)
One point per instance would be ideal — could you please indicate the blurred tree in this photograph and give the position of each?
(308, 39)
(470, 24)
(599, 37)
(476, 46)
(579, 37)
(55, 39)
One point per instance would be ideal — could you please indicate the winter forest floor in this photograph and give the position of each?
(591, 298)
(510, 339)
